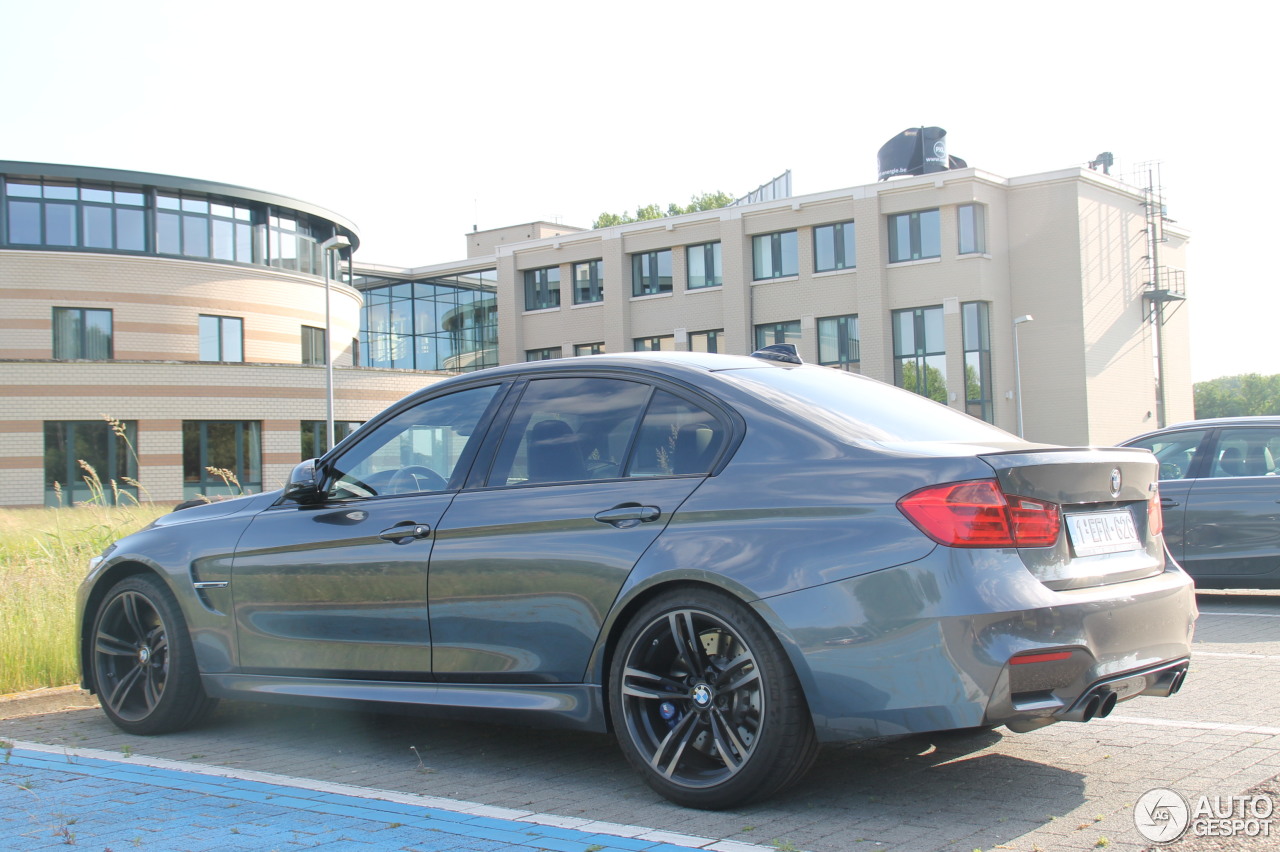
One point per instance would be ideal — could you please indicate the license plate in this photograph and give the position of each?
(1095, 533)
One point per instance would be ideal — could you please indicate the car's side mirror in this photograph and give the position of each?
(304, 483)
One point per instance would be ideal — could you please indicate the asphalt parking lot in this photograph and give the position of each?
(1066, 787)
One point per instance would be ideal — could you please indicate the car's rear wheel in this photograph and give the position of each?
(705, 703)
(144, 668)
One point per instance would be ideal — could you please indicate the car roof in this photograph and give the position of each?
(1209, 423)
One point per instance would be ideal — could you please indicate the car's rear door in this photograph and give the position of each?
(528, 563)
(1233, 509)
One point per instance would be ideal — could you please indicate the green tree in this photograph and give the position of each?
(934, 384)
(698, 203)
(1238, 396)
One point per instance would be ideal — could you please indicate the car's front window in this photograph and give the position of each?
(415, 451)
(1174, 451)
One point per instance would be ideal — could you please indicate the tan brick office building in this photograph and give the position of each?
(912, 281)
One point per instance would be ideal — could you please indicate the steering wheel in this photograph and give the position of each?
(415, 477)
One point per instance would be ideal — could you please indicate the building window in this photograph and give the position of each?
(914, 236)
(313, 345)
(658, 343)
(221, 457)
(542, 288)
(976, 324)
(197, 226)
(83, 333)
(588, 349)
(705, 341)
(973, 228)
(548, 354)
(355, 352)
(294, 243)
(221, 338)
(833, 247)
(447, 323)
(919, 350)
(651, 273)
(778, 332)
(71, 215)
(314, 432)
(775, 255)
(705, 268)
(838, 343)
(90, 461)
(587, 279)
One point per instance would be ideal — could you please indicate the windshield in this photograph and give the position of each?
(858, 408)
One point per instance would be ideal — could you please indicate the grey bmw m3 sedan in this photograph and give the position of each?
(723, 560)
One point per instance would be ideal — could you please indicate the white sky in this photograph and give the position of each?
(418, 119)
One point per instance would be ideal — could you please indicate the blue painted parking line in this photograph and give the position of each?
(53, 797)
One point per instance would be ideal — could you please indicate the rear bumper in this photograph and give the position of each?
(928, 646)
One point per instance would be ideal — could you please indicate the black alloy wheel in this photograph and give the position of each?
(144, 668)
(706, 705)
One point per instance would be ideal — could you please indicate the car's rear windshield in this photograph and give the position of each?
(858, 408)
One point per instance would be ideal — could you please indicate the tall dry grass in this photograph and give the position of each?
(44, 554)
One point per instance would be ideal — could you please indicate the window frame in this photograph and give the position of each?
(919, 356)
(645, 344)
(848, 355)
(646, 273)
(542, 288)
(977, 229)
(842, 246)
(80, 346)
(978, 325)
(916, 234)
(789, 331)
(594, 282)
(221, 339)
(310, 345)
(783, 255)
(711, 255)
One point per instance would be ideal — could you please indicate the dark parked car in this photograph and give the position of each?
(725, 560)
(1220, 487)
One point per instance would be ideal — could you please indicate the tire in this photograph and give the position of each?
(705, 704)
(143, 666)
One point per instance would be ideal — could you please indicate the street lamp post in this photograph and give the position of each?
(1017, 367)
(335, 243)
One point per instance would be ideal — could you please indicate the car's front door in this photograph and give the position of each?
(338, 588)
(1179, 465)
(1233, 510)
(527, 565)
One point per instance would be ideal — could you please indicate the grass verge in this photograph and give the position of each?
(44, 554)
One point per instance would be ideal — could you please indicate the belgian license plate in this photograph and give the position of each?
(1095, 533)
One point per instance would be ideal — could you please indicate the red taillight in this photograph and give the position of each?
(1050, 657)
(1155, 515)
(979, 514)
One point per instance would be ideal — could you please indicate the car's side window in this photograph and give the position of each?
(568, 430)
(1247, 452)
(1175, 452)
(676, 437)
(416, 451)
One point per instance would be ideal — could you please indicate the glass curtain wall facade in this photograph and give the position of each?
(115, 217)
(441, 324)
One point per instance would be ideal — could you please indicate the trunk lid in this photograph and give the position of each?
(1105, 496)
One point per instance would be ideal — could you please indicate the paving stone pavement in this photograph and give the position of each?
(1068, 787)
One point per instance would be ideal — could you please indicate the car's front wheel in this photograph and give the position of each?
(705, 703)
(144, 668)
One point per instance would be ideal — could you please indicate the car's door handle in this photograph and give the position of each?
(629, 515)
(1166, 503)
(405, 532)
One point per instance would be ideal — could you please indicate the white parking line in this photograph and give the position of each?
(1197, 726)
(1196, 653)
